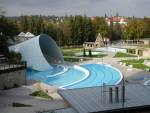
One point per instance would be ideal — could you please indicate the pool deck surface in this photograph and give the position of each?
(21, 94)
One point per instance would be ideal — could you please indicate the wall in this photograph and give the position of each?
(9, 79)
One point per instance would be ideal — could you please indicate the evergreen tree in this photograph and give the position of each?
(90, 53)
(33, 26)
(40, 25)
(117, 31)
(117, 14)
(84, 53)
(24, 24)
(111, 29)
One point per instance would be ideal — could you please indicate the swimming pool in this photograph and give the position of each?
(147, 82)
(76, 78)
(87, 53)
(111, 49)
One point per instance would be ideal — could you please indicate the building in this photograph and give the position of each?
(131, 98)
(145, 41)
(23, 37)
(99, 42)
(120, 20)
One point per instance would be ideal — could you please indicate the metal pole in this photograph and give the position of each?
(116, 94)
(110, 95)
(123, 94)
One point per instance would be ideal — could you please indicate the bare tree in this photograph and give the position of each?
(2, 12)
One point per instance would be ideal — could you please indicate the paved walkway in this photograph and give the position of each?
(21, 94)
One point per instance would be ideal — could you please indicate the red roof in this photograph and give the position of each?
(115, 19)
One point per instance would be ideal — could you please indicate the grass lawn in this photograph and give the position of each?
(145, 45)
(69, 53)
(74, 59)
(41, 94)
(140, 66)
(136, 63)
(94, 56)
(72, 51)
(118, 54)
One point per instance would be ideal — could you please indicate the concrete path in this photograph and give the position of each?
(136, 73)
(21, 94)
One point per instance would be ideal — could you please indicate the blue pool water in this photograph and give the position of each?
(87, 53)
(70, 76)
(98, 74)
(111, 49)
(148, 83)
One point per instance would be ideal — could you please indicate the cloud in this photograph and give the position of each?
(89, 7)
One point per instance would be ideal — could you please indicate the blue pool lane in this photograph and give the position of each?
(98, 74)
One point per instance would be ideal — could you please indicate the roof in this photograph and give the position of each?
(28, 34)
(22, 34)
(96, 99)
(89, 42)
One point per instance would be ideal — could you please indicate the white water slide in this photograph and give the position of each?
(39, 52)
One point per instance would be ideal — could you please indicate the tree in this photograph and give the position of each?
(106, 15)
(50, 30)
(4, 46)
(135, 30)
(67, 32)
(111, 29)
(90, 53)
(117, 31)
(84, 53)
(24, 24)
(117, 14)
(33, 26)
(40, 25)
(100, 26)
(147, 23)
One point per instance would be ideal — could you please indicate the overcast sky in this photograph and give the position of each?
(127, 8)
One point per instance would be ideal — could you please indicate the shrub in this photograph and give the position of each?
(133, 51)
(129, 50)
(15, 56)
(140, 52)
(41, 94)
(20, 105)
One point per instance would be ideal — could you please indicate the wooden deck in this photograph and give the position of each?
(96, 99)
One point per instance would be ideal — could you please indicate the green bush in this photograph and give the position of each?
(20, 105)
(133, 51)
(15, 56)
(129, 50)
(41, 94)
(140, 52)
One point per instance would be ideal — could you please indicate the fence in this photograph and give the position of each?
(10, 66)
